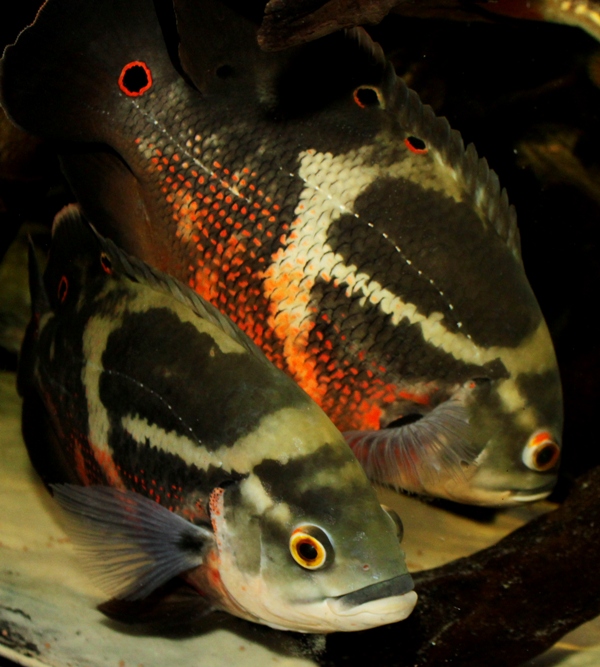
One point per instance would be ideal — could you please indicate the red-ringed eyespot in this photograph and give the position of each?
(135, 79)
(396, 520)
(308, 550)
(541, 453)
(368, 96)
(106, 263)
(63, 289)
(416, 145)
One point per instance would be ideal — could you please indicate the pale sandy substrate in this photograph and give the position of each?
(47, 606)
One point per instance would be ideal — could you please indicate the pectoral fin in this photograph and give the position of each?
(131, 545)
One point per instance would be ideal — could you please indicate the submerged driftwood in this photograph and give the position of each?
(501, 606)
(291, 22)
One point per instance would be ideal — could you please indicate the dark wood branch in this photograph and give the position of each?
(500, 606)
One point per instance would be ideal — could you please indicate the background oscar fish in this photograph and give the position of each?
(177, 448)
(312, 198)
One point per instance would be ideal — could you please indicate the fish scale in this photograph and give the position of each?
(312, 198)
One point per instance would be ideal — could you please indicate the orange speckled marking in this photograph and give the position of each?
(107, 464)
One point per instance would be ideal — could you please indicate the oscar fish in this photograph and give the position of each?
(311, 197)
(177, 449)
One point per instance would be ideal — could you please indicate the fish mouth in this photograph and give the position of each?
(393, 587)
(518, 496)
(385, 602)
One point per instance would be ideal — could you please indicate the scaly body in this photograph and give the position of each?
(177, 448)
(314, 200)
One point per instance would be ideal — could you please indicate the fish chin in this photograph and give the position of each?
(333, 615)
(318, 616)
(371, 614)
(475, 492)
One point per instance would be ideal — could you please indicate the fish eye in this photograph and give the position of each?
(135, 78)
(541, 453)
(310, 547)
(397, 521)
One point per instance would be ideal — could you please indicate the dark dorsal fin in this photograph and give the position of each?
(479, 181)
(61, 78)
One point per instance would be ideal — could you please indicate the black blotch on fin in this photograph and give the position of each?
(174, 610)
(92, 42)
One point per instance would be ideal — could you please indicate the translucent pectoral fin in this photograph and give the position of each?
(130, 544)
(415, 455)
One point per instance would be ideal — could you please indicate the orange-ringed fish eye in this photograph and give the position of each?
(135, 79)
(106, 263)
(63, 289)
(397, 521)
(309, 552)
(541, 453)
(416, 145)
(368, 96)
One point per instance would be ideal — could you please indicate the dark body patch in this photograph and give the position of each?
(470, 266)
(177, 377)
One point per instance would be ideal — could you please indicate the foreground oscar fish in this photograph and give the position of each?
(177, 448)
(313, 199)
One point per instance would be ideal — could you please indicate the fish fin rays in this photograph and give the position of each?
(129, 544)
(480, 183)
(394, 456)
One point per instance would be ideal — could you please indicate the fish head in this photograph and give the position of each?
(492, 439)
(516, 426)
(304, 545)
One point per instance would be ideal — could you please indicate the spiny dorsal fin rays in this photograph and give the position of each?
(419, 119)
(479, 180)
(130, 544)
(368, 45)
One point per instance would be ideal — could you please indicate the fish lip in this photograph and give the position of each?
(532, 496)
(394, 587)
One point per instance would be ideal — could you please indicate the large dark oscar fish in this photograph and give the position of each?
(177, 448)
(314, 200)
